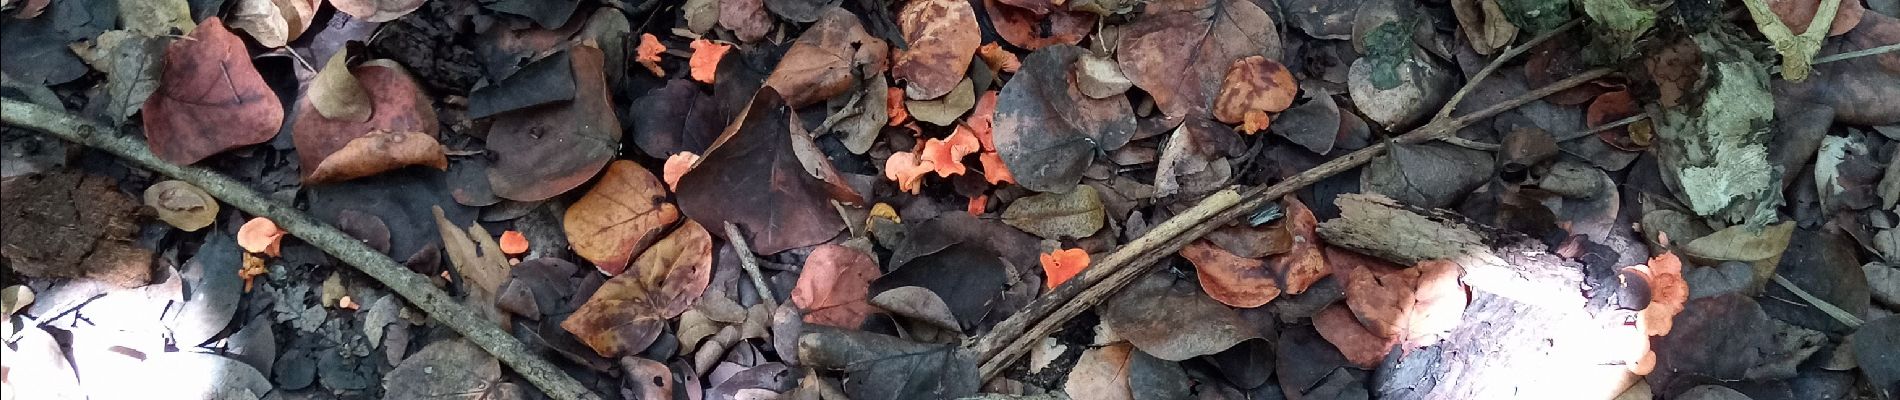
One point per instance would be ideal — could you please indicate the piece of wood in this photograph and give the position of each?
(1526, 333)
(412, 287)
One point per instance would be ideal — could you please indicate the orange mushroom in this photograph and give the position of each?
(1063, 265)
(648, 54)
(908, 170)
(260, 235)
(676, 167)
(514, 244)
(705, 61)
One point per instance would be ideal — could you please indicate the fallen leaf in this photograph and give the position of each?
(746, 18)
(1739, 243)
(834, 287)
(758, 152)
(1047, 131)
(801, 11)
(273, 23)
(1883, 282)
(821, 64)
(1101, 374)
(648, 54)
(1250, 241)
(1438, 305)
(1870, 345)
(1427, 175)
(1169, 318)
(882, 367)
(942, 36)
(619, 217)
(377, 10)
(513, 243)
(628, 311)
(156, 17)
(1179, 54)
(648, 379)
(337, 94)
(366, 227)
(209, 99)
(998, 59)
(1234, 281)
(448, 369)
(675, 118)
(1100, 77)
(705, 61)
(1797, 14)
(1362, 347)
(919, 304)
(182, 205)
(1062, 265)
(676, 166)
(944, 110)
(543, 152)
(1314, 126)
(401, 130)
(131, 67)
(1484, 24)
(547, 14)
(477, 259)
(1713, 150)
(968, 276)
(1254, 86)
(1076, 213)
(1034, 30)
(261, 236)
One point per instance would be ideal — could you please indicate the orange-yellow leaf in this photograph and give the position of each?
(1305, 263)
(630, 310)
(619, 217)
(705, 61)
(908, 170)
(1230, 279)
(260, 235)
(1062, 265)
(676, 167)
(380, 151)
(648, 54)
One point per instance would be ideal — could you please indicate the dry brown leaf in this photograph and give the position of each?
(336, 94)
(1438, 305)
(182, 205)
(402, 124)
(767, 152)
(746, 18)
(1180, 55)
(542, 152)
(619, 217)
(209, 99)
(274, 23)
(1381, 300)
(820, 64)
(1254, 87)
(999, 59)
(1035, 30)
(943, 37)
(676, 167)
(1234, 281)
(628, 311)
(1101, 374)
(834, 287)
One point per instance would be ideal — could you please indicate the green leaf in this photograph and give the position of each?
(1616, 25)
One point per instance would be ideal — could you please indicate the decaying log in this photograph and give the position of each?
(1526, 332)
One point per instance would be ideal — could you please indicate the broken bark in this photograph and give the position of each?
(1527, 330)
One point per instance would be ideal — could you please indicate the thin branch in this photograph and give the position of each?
(750, 262)
(1014, 336)
(415, 288)
(1459, 96)
(1857, 54)
(1839, 314)
(1600, 128)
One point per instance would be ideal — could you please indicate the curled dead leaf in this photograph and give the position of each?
(336, 94)
(821, 63)
(545, 151)
(628, 311)
(619, 217)
(1180, 56)
(182, 205)
(1305, 262)
(1230, 279)
(378, 152)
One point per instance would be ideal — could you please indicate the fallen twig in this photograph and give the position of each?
(750, 263)
(1014, 336)
(1830, 309)
(415, 288)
